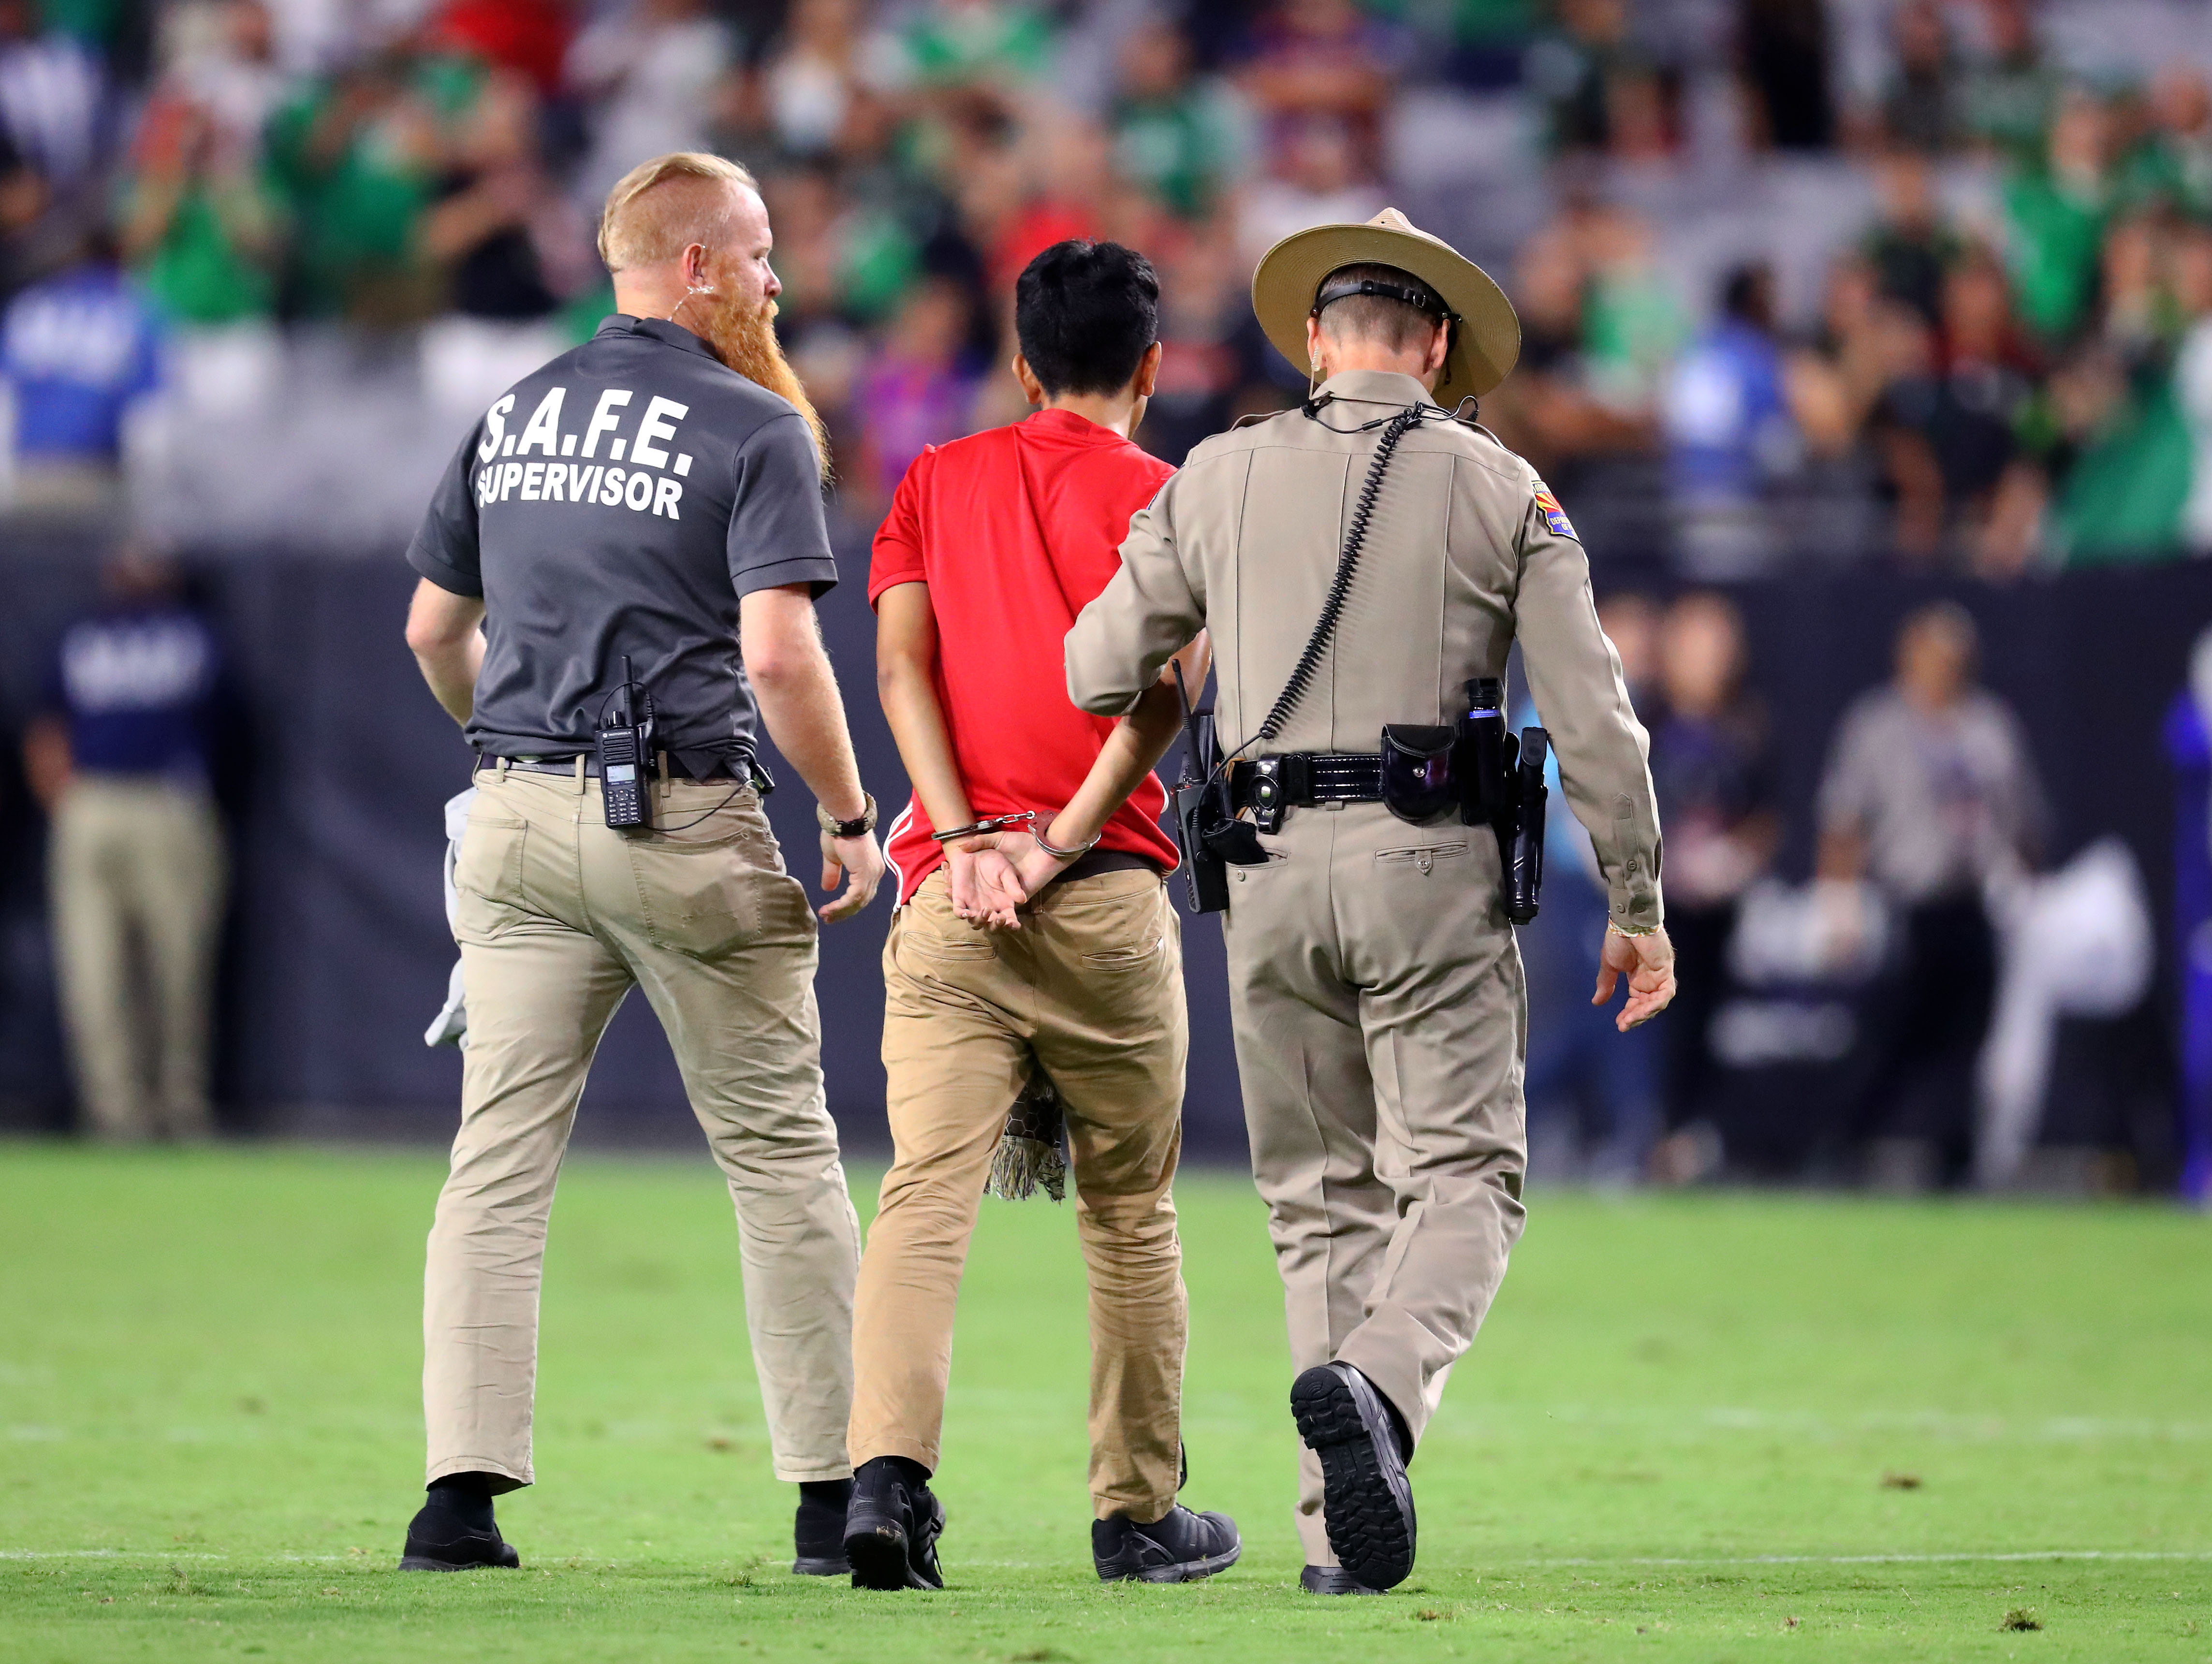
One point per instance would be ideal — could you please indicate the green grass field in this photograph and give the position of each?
(1698, 1427)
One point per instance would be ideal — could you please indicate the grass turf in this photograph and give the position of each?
(1699, 1427)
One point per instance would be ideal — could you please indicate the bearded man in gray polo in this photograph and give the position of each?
(642, 518)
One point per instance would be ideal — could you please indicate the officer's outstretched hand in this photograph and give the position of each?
(861, 862)
(1648, 961)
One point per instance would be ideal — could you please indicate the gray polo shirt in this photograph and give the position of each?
(1944, 801)
(621, 500)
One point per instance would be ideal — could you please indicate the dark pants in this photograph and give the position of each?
(1923, 1091)
(1701, 936)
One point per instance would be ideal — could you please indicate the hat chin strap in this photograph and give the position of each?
(1428, 304)
(1421, 301)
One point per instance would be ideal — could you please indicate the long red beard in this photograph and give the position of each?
(744, 338)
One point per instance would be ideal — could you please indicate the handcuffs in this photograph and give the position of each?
(1023, 819)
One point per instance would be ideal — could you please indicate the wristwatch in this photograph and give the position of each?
(852, 829)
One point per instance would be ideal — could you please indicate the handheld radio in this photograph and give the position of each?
(625, 755)
(1198, 810)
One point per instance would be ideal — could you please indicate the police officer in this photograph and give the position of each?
(653, 498)
(1377, 991)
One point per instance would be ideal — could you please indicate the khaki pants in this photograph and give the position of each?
(1090, 989)
(136, 874)
(557, 917)
(1381, 1026)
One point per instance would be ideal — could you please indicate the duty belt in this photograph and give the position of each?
(738, 766)
(1304, 779)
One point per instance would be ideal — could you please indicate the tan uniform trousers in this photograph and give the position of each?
(1377, 993)
(1090, 989)
(137, 874)
(557, 917)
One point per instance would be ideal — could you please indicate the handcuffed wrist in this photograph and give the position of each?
(1057, 853)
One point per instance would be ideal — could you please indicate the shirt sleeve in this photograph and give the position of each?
(1604, 754)
(778, 533)
(897, 557)
(1149, 610)
(1851, 781)
(444, 550)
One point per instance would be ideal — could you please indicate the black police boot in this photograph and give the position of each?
(1332, 1580)
(818, 1532)
(455, 1530)
(1179, 1549)
(892, 1527)
(1366, 1500)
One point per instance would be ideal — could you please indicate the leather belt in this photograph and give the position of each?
(1302, 779)
(735, 768)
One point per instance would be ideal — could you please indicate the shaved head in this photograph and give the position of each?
(661, 207)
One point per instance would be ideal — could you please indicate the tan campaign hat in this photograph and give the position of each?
(1291, 275)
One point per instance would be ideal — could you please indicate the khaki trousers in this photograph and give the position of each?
(557, 918)
(137, 874)
(1381, 1027)
(1091, 990)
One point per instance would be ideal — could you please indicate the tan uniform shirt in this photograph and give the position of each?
(1461, 560)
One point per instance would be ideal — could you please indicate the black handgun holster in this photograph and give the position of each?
(1501, 785)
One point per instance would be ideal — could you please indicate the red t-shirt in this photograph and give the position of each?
(1015, 531)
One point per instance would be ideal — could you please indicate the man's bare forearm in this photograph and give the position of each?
(452, 672)
(906, 683)
(444, 633)
(917, 724)
(800, 708)
(780, 640)
(1132, 751)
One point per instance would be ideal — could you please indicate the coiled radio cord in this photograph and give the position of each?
(1348, 562)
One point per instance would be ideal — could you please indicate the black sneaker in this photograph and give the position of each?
(1180, 1549)
(819, 1533)
(892, 1528)
(1366, 1500)
(1332, 1580)
(439, 1541)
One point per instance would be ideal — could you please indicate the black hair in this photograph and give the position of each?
(1748, 293)
(1086, 314)
(1380, 318)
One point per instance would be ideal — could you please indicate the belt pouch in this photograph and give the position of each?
(1420, 784)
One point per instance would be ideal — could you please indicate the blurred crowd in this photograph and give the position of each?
(1982, 342)
(1842, 1027)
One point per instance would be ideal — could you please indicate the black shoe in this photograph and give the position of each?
(1366, 1500)
(438, 1541)
(818, 1532)
(1332, 1580)
(1179, 1549)
(892, 1527)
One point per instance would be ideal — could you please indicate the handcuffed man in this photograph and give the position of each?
(992, 543)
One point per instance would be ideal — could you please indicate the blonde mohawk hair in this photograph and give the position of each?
(659, 207)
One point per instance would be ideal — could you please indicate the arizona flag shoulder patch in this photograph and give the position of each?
(1554, 516)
